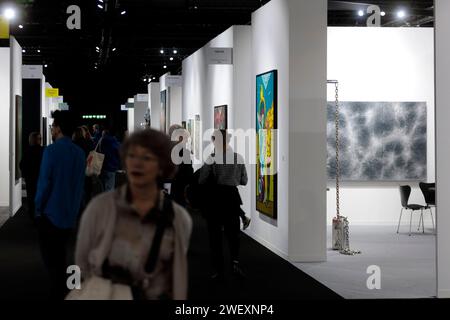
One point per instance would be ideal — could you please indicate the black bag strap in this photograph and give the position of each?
(163, 221)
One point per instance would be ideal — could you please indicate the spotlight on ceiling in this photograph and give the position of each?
(161, 51)
(360, 13)
(165, 67)
(45, 65)
(24, 51)
(20, 26)
(38, 51)
(123, 12)
(175, 51)
(100, 1)
(100, 6)
(153, 78)
(97, 49)
(171, 58)
(114, 49)
(382, 13)
(401, 14)
(9, 13)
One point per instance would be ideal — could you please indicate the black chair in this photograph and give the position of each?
(429, 193)
(405, 192)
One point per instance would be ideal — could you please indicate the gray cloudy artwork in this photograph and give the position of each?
(379, 141)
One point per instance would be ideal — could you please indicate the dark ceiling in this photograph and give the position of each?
(94, 80)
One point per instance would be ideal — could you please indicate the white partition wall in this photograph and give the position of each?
(5, 131)
(442, 11)
(381, 64)
(291, 37)
(16, 90)
(154, 104)
(140, 110)
(174, 100)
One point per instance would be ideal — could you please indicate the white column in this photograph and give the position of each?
(442, 9)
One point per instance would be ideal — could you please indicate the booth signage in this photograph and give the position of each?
(174, 81)
(32, 71)
(220, 55)
(63, 106)
(52, 92)
(4, 28)
(142, 97)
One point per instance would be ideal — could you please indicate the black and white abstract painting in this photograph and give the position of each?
(379, 141)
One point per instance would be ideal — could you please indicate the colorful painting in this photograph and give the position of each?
(266, 151)
(163, 118)
(220, 118)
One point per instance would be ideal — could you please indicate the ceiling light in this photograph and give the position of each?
(401, 14)
(195, 7)
(383, 13)
(171, 58)
(23, 51)
(100, 6)
(39, 51)
(153, 78)
(100, 1)
(20, 26)
(165, 67)
(360, 13)
(114, 49)
(45, 65)
(161, 51)
(175, 51)
(9, 13)
(123, 12)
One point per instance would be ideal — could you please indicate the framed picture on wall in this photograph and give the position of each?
(266, 150)
(18, 102)
(221, 117)
(163, 118)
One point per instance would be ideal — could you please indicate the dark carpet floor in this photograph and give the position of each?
(269, 277)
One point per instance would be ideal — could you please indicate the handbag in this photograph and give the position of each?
(94, 162)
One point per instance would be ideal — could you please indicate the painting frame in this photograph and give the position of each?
(221, 117)
(266, 118)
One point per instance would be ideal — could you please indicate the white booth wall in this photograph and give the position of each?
(442, 11)
(174, 103)
(140, 110)
(299, 233)
(16, 89)
(5, 130)
(10, 86)
(381, 64)
(154, 104)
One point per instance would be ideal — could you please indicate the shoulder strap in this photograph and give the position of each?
(163, 221)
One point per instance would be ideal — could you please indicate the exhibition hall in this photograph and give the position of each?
(214, 150)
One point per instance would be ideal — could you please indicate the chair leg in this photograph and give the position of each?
(420, 221)
(410, 222)
(423, 221)
(401, 212)
(432, 220)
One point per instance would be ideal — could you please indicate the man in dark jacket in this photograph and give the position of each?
(29, 166)
(109, 146)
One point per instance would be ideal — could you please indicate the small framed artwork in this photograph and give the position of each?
(221, 117)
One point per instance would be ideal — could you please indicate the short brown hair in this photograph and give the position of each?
(157, 143)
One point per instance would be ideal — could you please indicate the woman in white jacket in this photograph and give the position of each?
(119, 229)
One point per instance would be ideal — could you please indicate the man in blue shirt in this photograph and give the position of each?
(58, 198)
(110, 147)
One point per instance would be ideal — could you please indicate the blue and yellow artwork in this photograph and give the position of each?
(266, 122)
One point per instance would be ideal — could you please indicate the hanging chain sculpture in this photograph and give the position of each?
(340, 230)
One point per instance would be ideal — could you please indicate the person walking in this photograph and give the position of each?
(29, 166)
(135, 235)
(223, 172)
(109, 146)
(58, 198)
